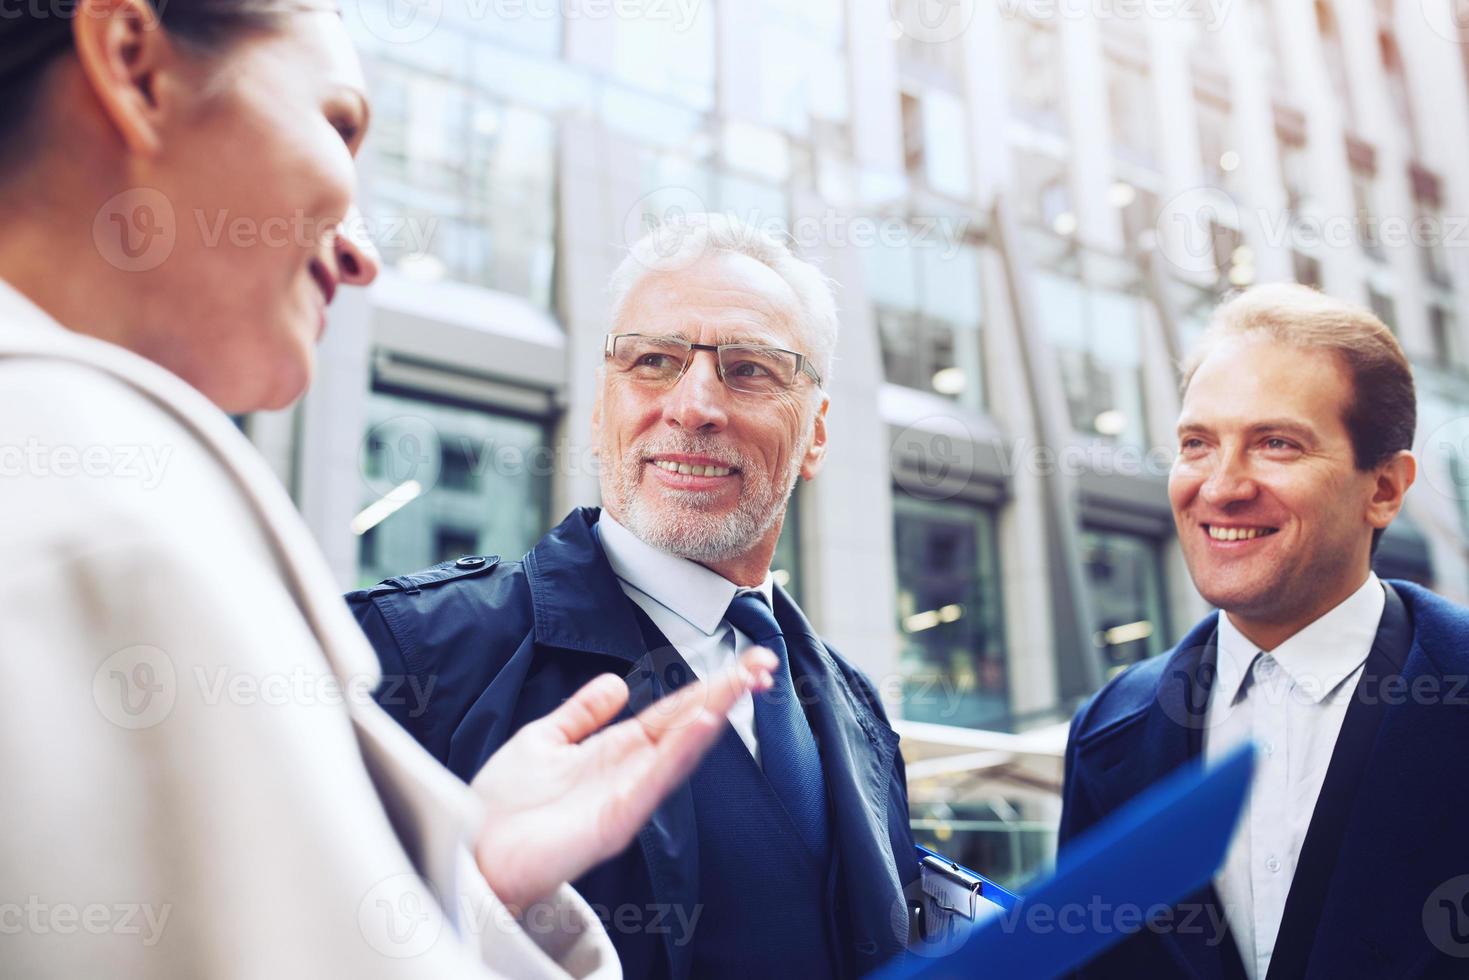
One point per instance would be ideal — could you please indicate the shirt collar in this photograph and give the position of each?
(685, 587)
(1318, 657)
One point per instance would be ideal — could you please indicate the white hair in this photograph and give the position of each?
(678, 243)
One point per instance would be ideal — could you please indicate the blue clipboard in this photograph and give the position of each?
(1157, 850)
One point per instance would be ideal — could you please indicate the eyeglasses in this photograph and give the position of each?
(658, 362)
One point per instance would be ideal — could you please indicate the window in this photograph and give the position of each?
(1130, 99)
(785, 564)
(926, 300)
(935, 141)
(1383, 306)
(1095, 333)
(1362, 198)
(472, 179)
(444, 480)
(953, 648)
(1034, 71)
(802, 73)
(663, 56)
(1125, 584)
(1441, 328)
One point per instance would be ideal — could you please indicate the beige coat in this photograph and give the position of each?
(194, 781)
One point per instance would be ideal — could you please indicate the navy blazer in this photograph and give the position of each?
(473, 650)
(1378, 890)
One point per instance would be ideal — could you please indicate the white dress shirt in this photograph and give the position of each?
(687, 602)
(1291, 701)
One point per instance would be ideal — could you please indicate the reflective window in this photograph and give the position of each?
(936, 141)
(670, 55)
(801, 53)
(1095, 334)
(470, 178)
(949, 621)
(441, 481)
(926, 300)
(1124, 577)
(1130, 99)
(1035, 68)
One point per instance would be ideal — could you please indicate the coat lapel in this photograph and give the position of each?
(1142, 749)
(1404, 837)
(1340, 792)
(857, 752)
(580, 606)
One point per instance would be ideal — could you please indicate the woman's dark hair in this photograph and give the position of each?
(34, 33)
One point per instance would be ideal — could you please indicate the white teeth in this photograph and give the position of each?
(1237, 533)
(687, 470)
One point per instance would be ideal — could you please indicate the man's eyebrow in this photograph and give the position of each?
(1291, 427)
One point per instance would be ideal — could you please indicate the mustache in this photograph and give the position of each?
(673, 442)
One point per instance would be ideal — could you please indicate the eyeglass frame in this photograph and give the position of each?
(803, 361)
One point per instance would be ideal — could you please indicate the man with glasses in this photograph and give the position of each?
(789, 851)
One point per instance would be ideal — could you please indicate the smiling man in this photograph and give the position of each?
(789, 851)
(1293, 456)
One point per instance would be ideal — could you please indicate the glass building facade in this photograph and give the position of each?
(1027, 218)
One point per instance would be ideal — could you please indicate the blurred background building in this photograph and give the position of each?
(1029, 208)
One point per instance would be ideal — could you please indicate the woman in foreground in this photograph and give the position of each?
(196, 780)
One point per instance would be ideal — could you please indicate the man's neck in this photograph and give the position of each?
(1267, 632)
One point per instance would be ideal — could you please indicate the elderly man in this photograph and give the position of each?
(788, 853)
(1351, 858)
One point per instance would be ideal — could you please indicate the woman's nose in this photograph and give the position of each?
(358, 262)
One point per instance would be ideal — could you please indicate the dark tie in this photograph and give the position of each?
(787, 748)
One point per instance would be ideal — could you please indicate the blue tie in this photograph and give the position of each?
(787, 748)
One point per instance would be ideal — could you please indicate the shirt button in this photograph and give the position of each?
(1269, 748)
(1273, 864)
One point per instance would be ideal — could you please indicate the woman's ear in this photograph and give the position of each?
(122, 49)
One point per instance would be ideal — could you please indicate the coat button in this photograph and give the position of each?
(474, 561)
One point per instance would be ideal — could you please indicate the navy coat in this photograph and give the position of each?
(1382, 885)
(473, 650)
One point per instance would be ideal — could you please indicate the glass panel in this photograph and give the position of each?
(1034, 72)
(671, 55)
(1129, 96)
(953, 648)
(441, 481)
(785, 564)
(1125, 580)
(1096, 337)
(927, 304)
(945, 144)
(472, 181)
